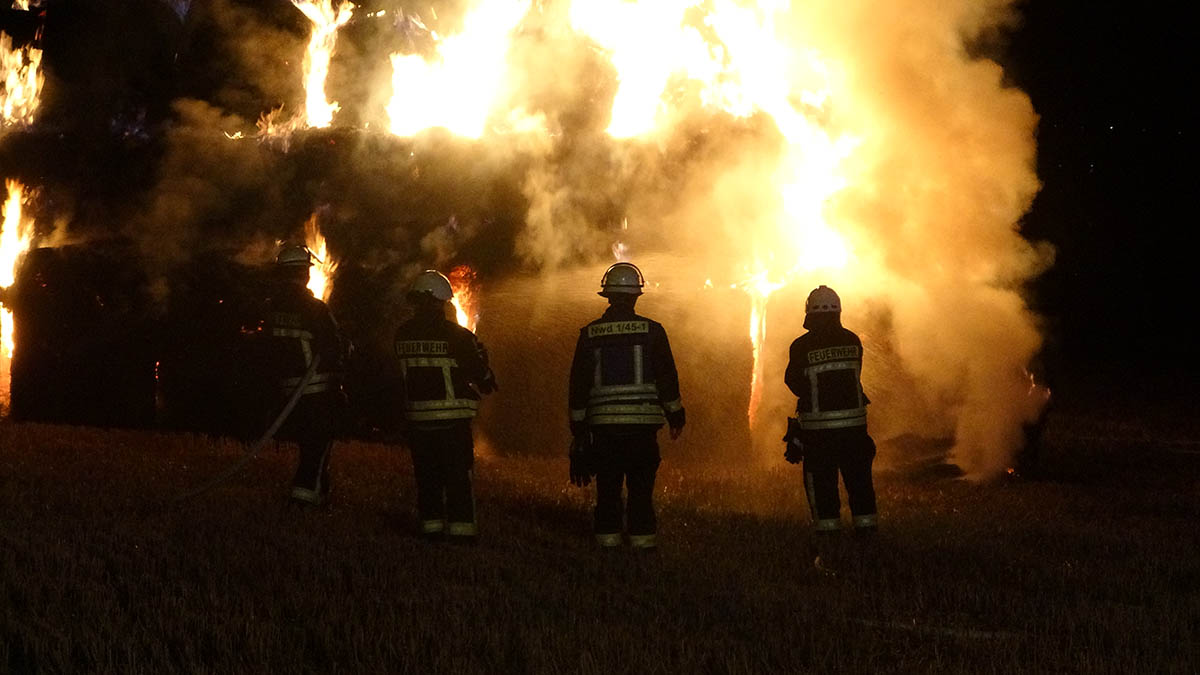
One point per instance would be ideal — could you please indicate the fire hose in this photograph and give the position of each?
(267, 435)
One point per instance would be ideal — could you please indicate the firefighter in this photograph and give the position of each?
(824, 372)
(623, 388)
(444, 372)
(301, 328)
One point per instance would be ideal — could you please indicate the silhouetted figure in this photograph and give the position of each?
(623, 388)
(444, 372)
(300, 327)
(824, 372)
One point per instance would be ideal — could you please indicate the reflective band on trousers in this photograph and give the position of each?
(609, 540)
(643, 540)
(432, 526)
(306, 495)
(829, 524)
(868, 520)
(462, 530)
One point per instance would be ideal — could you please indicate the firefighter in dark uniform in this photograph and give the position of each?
(623, 388)
(824, 372)
(301, 330)
(444, 372)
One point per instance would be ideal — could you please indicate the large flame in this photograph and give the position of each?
(458, 87)
(326, 20)
(760, 287)
(21, 81)
(741, 68)
(15, 237)
(321, 272)
(740, 65)
(466, 298)
(880, 157)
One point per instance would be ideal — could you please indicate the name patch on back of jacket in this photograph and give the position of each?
(422, 347)
(618, 328)
(833, 354)
(286, 319)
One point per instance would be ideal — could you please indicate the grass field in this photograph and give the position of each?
(1094, 567)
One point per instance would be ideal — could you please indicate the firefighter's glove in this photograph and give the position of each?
(794, 452)
(488, 384)
(676, 420)
(581, 461)
(581, 476)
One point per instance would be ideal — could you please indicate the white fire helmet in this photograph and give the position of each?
(294, 255)
(622, 279)
(822, 299)
(434, 283)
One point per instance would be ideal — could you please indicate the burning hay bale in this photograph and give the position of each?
(758, 147)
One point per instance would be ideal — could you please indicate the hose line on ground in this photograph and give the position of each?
(270, 432)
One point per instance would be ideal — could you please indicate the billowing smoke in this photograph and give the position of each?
(858, 144)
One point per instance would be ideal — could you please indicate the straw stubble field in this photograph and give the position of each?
(1080, 570)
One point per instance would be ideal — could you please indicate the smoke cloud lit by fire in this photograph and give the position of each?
(741, 152)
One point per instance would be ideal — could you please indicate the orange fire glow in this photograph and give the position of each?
(466, 300)
(21, 81)
(759, 287)
(15, 237)
(326, 20)
(320, 274)
(458, 88)
(652, 44)
(874, 157)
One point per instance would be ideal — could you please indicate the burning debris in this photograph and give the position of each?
(321, 273)
(15, 236)
(21, 80)
(760, 288)
(326, 19)
(465, 301)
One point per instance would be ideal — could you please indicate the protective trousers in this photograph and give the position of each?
(442, 462)
(632, 459)
(850, 452)
(311, 425)
(311, 483)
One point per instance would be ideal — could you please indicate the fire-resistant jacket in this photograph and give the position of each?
(443, 369)
(300, 327)
(824, 371)
(624, 374)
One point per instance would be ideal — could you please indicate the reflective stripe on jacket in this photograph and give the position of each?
(300, 327)
(439, 360)
(623, 372)
(825, 372)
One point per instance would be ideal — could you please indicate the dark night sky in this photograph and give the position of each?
(1108, 85)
